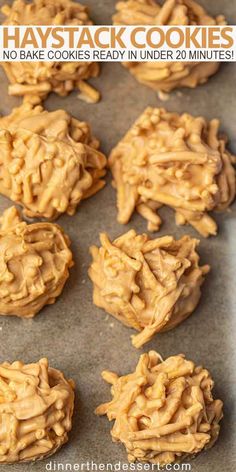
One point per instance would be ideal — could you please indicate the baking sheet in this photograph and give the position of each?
(82, 340)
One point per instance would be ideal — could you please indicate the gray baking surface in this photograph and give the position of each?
(82, 340)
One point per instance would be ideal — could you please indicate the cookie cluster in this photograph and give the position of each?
(67, 165)
(164, 411)
(34, 264)
(176, 160)
(151, 285)
(41, 78)
(166, 76)
(36, 407)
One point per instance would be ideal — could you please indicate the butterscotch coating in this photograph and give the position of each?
(34, 264)
(36, 408)
(41, 78)
(166, 76)
(164, 411)
(49, 161)
(176, 160)
(151, 285)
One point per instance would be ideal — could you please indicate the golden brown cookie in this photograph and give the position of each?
(41, 78)
(151, 285)
(36, 408)
(165, 76)
(49, 161)
(34, 264)
(164, 411)
(174, 160)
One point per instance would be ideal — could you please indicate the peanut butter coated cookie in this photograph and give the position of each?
(164, 411)
(41, 78)
(49, 161)
(36, 408)
(148, 284)
(166, 76)
(34, 265)
(176, 160)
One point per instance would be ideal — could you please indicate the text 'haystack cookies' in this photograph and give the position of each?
(36, 408)
(41, 78)
(49, 161)
(34, 265)
(149, 284)
(165, 76)
(164, 411)
(174, 160)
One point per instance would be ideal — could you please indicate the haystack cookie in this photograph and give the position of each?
(41, 78)
(174, 160)
(163, 412)
(49, 161)
(166, 76)
(151, 285)
(36, 408)
(34, 265)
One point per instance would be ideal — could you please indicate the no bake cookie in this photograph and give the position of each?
(148, 284)
(34, 265)
(41, 78)
(164, 411)
(176, 160)
(165, 76)
(49, 161)
(36, 408)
